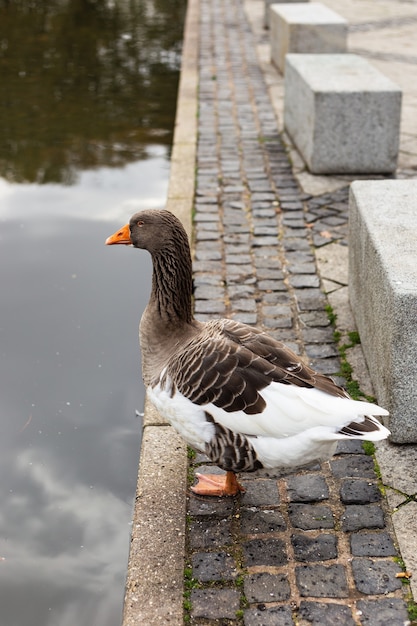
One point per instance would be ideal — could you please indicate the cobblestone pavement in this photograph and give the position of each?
(315, 546)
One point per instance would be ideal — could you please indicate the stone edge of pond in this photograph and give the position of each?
(154, 582)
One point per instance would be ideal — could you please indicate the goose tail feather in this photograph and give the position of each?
(369, 429)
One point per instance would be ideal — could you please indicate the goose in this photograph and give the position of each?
(229, 389)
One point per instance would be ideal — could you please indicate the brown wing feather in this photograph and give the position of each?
(229, 363)
(297, 372)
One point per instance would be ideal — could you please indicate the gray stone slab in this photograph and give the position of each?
(259, 492)
(372, 544)
(213, 566)
(353, 466)
(354, 491)
(308, 549)
(264, 552)
(213, 603)
(361, 516)
(310, 516)
(208, 533)
(263, 616)
(307, 28)
(265, 587)
(383, 294)
(342, 113)
(307, 488)
(324, 614)
(254, 521)
(320, 581)
(375, 577)
(383, 611)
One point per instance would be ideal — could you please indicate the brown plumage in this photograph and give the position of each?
(231, 390)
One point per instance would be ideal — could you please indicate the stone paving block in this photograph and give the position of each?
(320, 581)
(375, 577)
(293, 244)
(383, 612)
(322, 614)
(215, 603)
(353, 466)
(318, 335)
(246, 318)
(260, 492)
(342, 114)
(211, 307)
(264, 552)
(207, 292)
(355, 491)
(358, 517)
(278, 322)
(309, 299)
(264, 587)
(253, 521)
(311, 516)
(328, 366)
(302, 268)
(272, 285)
(350, 447)
(269, 273)
(277, 310)
(309, 549)
(307, 488)
(208, 533)
(312, 319)
(372, 544)
(213, 507)
(304, 280)
(263, 616)
(305, 27)
(210, 566)
(321, 351)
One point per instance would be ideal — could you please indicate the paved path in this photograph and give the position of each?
(320, 546)
(316, 546)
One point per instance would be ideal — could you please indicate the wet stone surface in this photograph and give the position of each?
(321, 548)
(322, 581)
(264, 587)
(311, 546)
(326, 614)
(372, 544)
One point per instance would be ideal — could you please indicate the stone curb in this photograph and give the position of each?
(155, 575)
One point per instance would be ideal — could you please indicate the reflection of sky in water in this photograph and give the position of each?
(69, 387)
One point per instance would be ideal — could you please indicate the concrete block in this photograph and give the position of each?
(305, 28)
(268, 4)
(342, 114)
(383, 293)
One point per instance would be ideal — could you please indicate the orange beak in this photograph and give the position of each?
(122, 236)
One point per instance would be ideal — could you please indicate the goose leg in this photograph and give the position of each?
(215, 485)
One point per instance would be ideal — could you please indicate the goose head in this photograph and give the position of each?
(152, 230)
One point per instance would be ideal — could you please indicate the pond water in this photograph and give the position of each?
(87, 109)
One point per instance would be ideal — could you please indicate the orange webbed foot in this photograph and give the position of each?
(217, 485)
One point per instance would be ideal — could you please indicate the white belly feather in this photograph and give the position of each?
(297, 426)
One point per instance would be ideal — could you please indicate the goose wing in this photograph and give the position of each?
(251, 384)
(228, 364)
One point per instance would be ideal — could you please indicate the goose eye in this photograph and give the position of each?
(140, 224)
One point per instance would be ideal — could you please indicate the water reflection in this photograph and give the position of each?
(85, 83)
(69, 385)
(87, 105)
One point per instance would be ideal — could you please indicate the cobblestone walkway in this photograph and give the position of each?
(315, 546)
